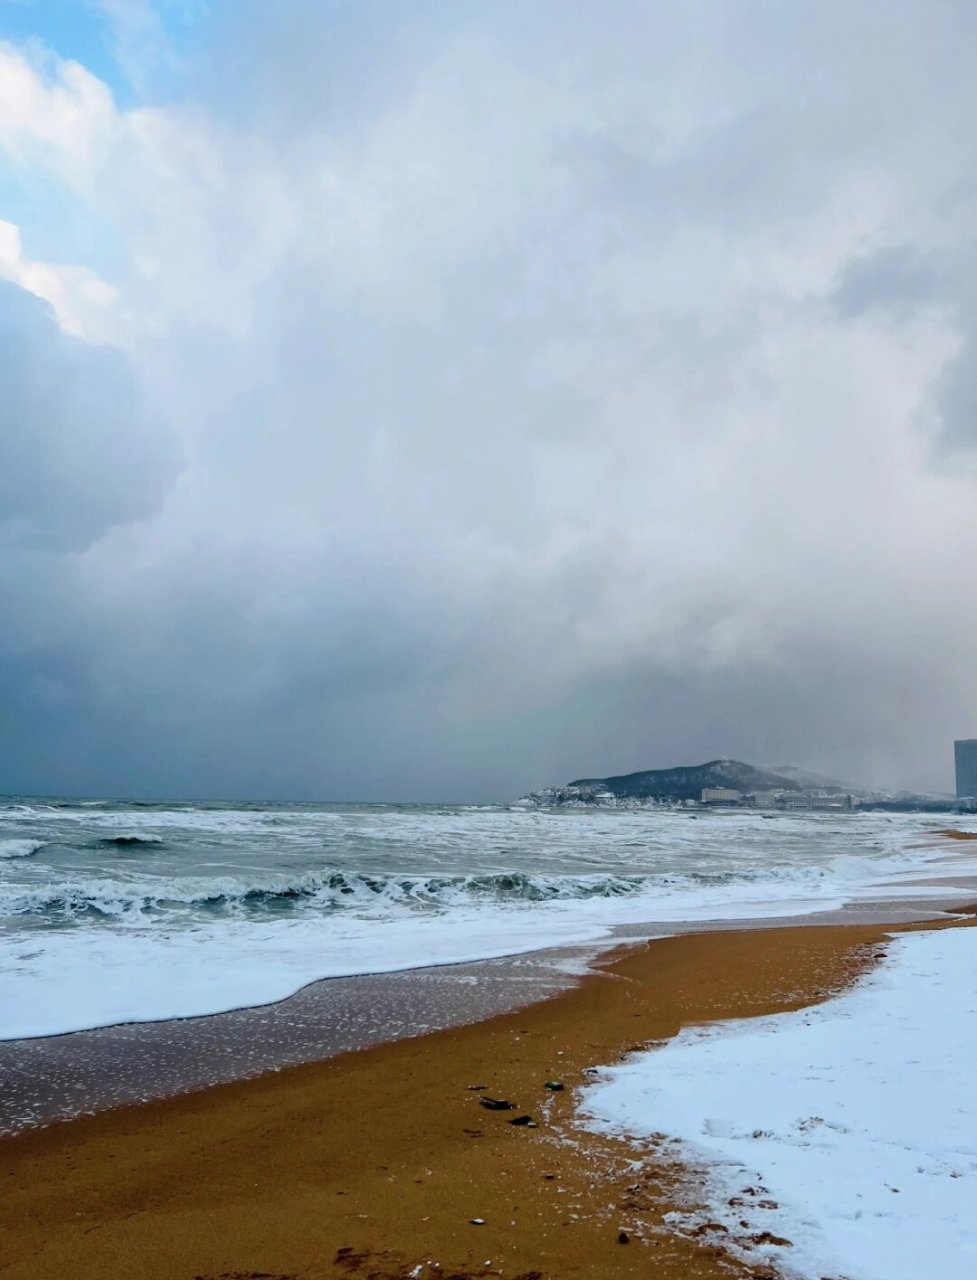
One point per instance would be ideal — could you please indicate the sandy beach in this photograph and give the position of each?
(384, 1162)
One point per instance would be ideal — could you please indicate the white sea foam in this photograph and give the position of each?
(800, 887)
(849, 1129)
(72, 979)
(19, 848)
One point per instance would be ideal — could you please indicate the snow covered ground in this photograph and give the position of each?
(849, 1129)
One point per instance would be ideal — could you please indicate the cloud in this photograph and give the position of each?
(53, 113)
(138, 36)
(896, 277)
(559, 392)
(78, 452)
(84, 304)
(902, 280)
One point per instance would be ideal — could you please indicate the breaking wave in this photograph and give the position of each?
(126, 841)
(332, 890)
(19, 848)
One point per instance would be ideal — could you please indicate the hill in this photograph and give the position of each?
(685, 782)
(810, 781)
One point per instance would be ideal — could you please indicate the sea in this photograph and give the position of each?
(115, 911)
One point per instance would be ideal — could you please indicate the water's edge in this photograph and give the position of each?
(57, 1078)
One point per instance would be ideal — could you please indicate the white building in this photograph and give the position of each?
(765, 799)
(720, 795)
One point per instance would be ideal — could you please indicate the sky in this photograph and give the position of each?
(433, 401)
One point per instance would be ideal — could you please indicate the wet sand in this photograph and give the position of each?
(376, 1163)
(59, 1077)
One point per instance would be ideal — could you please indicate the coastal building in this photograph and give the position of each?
(965, 758)
(720, 795)
(764, 799)
(815, 800)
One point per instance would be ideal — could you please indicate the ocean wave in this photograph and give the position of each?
(126, 841)
(332, 890)
(19, 848)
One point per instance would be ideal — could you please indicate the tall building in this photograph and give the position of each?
(965, 758)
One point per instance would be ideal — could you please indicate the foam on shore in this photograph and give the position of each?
(78, 980)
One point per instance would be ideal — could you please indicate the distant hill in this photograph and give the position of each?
(810, 781)
(686, 782)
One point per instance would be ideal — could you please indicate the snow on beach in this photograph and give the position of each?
(849, 1129)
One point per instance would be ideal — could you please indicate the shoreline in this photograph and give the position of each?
(136, 941)
(55, 1079)
(377, 1161)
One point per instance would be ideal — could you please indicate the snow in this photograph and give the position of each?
(856, 1119)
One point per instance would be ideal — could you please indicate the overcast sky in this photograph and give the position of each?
(439, 399)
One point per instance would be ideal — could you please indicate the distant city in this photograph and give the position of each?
(726, 783)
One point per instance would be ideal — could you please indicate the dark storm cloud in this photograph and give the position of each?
(79, 457)
(560, 387)
(78, 453)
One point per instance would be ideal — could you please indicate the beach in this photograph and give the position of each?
(384, 1162)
